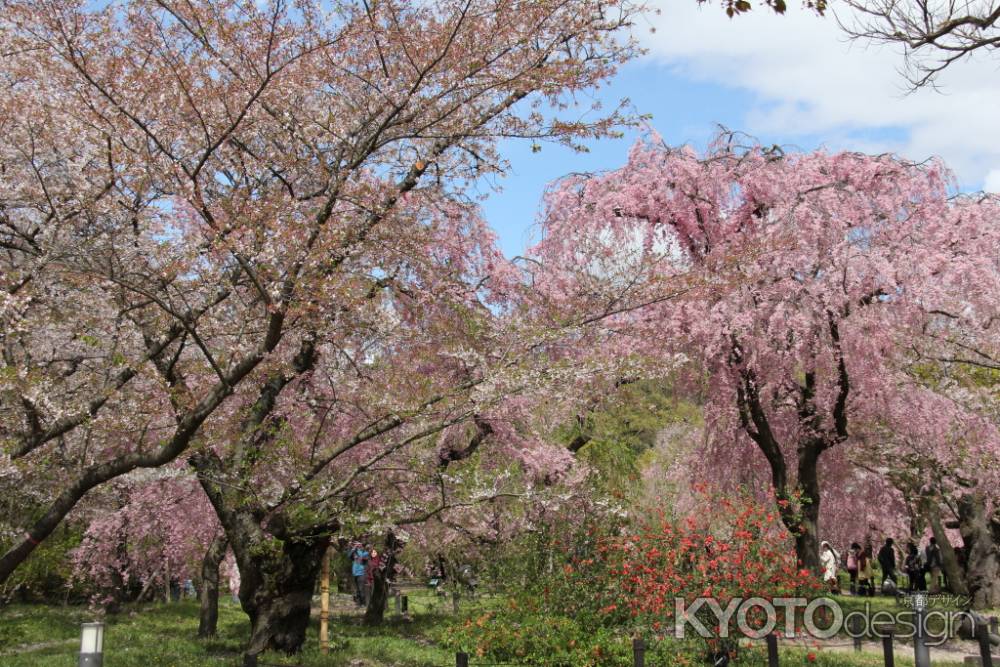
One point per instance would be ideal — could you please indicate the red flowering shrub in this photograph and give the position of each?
(730, 548)
(604, 585)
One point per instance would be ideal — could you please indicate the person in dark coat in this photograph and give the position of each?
(914, 566)
(932, 563)
(887, 561)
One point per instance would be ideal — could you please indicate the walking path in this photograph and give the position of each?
(954, 650)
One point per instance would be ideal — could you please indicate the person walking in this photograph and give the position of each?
(359, 571)
(932, 563)
(914, 566)
(887, 561)
(371, 571)
(853, 556)
(866, 572)
(828, 559)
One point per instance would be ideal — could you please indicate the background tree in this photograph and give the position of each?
(811, 276)
(145, 535)
(945, 468)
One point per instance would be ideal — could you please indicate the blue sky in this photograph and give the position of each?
(792, 80)
(684, 112)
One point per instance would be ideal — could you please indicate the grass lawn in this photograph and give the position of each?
(160, 635)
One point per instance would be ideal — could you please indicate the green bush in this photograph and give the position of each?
(533, 638)
(539, 638)
(47, 575)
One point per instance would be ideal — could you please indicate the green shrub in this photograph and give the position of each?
(533, 638)
(46, 575)
(542, 639)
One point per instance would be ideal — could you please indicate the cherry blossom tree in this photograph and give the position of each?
(813, 280)
(158, 531)
(946, 469)
(210, 201)
(345, 442)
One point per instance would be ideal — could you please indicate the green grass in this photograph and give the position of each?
(154, 635)
(161, 635)
(164, 636)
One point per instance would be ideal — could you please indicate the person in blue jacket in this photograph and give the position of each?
(359, 570)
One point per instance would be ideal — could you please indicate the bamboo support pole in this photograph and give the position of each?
(324, 613)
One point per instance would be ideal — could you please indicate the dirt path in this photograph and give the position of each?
(30, 648)
(954, 650)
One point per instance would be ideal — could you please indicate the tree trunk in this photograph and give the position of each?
(208, 619)
(278, 566)
(949, 559)
(807, 536)
(800, 515)
(982, 557)
(807, 543)
(916, 522)
(167, 578)
(119, 584)
(799, 512)
(378, 597)
(276, 593)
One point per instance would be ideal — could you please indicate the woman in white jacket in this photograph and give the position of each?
(829, 558)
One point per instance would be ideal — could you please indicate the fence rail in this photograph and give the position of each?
(981, 631)
(921, 655)
(920, 650)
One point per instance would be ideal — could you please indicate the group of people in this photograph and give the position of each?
(860, 565)
(182, 589)
(365, 562)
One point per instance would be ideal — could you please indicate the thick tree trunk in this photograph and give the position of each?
(800, 515)
(807, 542)
(982, 557)
(949, 559)
(807, 533)
(276, 593)
(113, 602)
(278, 567)
(119, 584)
(378, 599)
(799, 512)
(802, 521)
(208, 619)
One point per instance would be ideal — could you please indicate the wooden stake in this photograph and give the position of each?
(324, 612)
(983, 636)
(772, 650)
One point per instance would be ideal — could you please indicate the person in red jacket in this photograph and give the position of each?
(373, 566)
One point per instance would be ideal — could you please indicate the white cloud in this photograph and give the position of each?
(992, 183)
(808, 79)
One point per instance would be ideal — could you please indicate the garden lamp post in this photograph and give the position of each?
(92, 645)
(921, 653)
